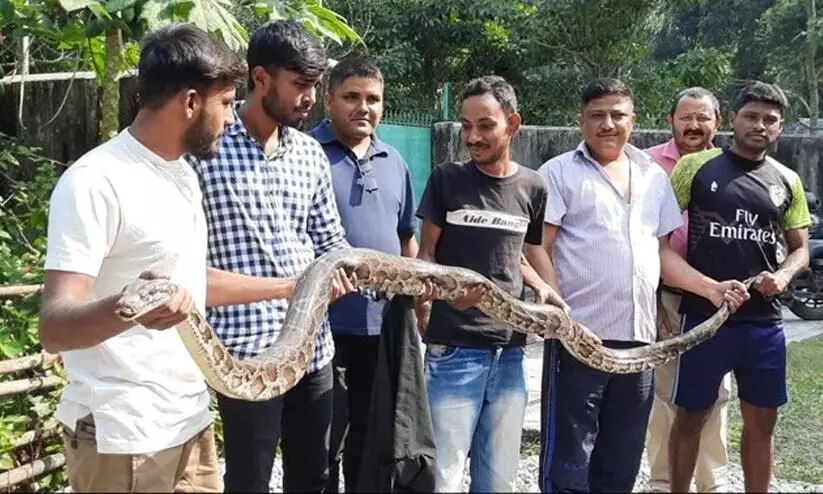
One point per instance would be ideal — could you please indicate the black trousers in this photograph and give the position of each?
(593, 425)
(355, 359)
(300, 420)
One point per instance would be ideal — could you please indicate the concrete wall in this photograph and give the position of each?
(534, 145)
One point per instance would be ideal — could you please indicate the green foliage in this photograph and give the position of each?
(799, 430)
(23, 222)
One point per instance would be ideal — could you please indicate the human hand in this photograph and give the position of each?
(731, 291)
(167, 315)
(423, 305)
(547, 295)
(771, 284)
(342, 284)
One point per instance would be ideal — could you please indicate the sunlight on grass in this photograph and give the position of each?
(799, 434)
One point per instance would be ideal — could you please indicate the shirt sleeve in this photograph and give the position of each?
(324, 225)
(407, 222)
(670, 217)
(431, 203)
(683, 175)
(534, 234)
(555, 200)
(84, 218)
(797, 214)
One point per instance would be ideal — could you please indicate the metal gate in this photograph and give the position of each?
(411, 134)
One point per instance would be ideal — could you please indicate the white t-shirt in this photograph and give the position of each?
(119, 210)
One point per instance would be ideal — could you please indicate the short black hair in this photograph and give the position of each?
(495, 85)
(285, 44)
(353, 67)
(605, 86)
(761, 92)
(696, 93)
(181, 56)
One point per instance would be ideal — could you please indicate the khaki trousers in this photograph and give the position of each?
(189, 467)
(712, 458)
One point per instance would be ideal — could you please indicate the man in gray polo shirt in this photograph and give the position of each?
(374, 196)
(608, 207)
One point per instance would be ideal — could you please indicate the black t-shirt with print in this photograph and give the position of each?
(484, 223)
(738, 210)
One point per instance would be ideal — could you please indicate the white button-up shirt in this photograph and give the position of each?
(606, 253)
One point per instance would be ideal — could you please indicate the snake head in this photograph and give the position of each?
(142, 296)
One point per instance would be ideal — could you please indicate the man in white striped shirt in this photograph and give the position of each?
(608, 207)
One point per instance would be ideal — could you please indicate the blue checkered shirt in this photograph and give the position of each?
(267, 217)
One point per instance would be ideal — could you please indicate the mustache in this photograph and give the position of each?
(698, 133)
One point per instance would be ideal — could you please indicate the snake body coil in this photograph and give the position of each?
(280, 367)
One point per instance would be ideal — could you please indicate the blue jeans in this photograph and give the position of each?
(478, 401)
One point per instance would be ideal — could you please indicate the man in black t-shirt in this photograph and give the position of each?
(481, 215)
(747, 216)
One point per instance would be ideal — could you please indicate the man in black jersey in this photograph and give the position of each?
(747, 216)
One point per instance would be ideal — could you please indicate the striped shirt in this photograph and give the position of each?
(606, 253)
(267, 216)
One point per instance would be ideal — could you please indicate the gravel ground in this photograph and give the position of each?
(527, 480)
(527, 475)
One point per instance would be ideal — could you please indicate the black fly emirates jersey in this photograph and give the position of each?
(738, 210)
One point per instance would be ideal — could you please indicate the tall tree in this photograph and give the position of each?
(812, 40)
(107, 32)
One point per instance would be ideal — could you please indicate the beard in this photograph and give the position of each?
(753, 145)
(276, 112)
(490, 159)
(199, 141)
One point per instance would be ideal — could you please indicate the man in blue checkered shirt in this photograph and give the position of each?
(271, 211)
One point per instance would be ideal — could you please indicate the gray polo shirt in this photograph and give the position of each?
(606, 253)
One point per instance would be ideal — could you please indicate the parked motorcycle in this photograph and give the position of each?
(804, 296)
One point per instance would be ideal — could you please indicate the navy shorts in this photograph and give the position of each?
(756, 353)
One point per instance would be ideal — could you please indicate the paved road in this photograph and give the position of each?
(796, 330)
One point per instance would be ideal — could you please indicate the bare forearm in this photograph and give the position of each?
(676, 272)
(539, 270)
(68, 325)
(795, 262)
(425, 255)
(227, 288)
(408, 246)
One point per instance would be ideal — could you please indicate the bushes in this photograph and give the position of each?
(27, 179)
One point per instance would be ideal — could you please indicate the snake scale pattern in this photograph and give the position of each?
(278, 368)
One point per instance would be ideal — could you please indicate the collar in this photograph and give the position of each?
(634, 153)
(324, 134)
(671, 151)
(238, 128)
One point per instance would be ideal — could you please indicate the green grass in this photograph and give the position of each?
(799, 432)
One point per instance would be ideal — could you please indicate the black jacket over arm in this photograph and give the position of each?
(398, 453)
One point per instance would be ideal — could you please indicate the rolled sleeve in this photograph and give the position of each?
(324, 225)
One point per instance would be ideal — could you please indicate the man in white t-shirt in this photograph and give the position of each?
(136, 408)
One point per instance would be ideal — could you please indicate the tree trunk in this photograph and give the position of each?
(811, 66)
(110, 99)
